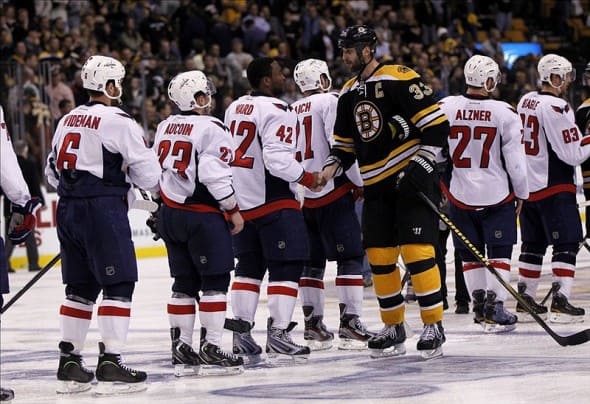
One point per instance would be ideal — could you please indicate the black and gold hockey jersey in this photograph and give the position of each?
(382, 121)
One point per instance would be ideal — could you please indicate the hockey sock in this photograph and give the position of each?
(181, 314)
(475, 276)
(282, 296)
(245, 293)
(563, 266)
(113, 323)
(387, 284)
(312, 294)
(420, 261)
(502, 266)
(212, 308)
(350, 292)
(74, 319)
(529, 270)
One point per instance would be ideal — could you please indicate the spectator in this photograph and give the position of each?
(33, 179)
(57, 91)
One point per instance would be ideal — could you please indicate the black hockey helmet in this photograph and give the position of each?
(357, 36)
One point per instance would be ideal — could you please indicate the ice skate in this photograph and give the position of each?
(245, 347)
(497, 318)
(280, 345)
(116, 378)
(431, 340)
(217, 362)
(479, 298)
(561, 309)
(316, 334)
(6, 394)
(388, 342)
(538, 308)
(72, 376)
(352, 332)
(185, 360)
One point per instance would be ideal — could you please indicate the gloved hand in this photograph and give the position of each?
(419, 175)
(22, 220)
(152, 220)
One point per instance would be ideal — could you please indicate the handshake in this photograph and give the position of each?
(314, 181)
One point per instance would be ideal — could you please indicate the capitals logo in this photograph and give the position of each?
(368, 120)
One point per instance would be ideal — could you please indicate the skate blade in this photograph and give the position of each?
(114, 388)
(316, 345)
(395, 350)
(72, 387)
(347, 344)
(251, 360)
(432, 353)
(493, 328)
(562, 318)
(214, 370)
(525, 317)
(182, 370)
(277, 359)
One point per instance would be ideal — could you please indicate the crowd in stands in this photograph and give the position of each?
(43, 45)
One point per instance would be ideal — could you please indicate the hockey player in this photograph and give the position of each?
(332, 226)
(553, 144)
(274, 236)
(583, 122)
(195, 150)
(97, 152)
(487, 173)
(388, 121)
(22, 219)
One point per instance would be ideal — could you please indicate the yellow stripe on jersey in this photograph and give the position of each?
(392, 164)
(435, 122)
(345, 144)
(421, 114)
(585, 173)
(393, 72)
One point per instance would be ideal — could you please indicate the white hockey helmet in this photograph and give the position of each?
(478, 69)
(308, 73)
(184, 86)
(558, 65)
(99, 70)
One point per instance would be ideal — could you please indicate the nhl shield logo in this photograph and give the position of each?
(340, 248)
(498, 234)
(281, 244)
(203, 259)
(110, 270)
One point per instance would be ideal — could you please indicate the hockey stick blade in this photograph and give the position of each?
(578, 338)
(29, 284)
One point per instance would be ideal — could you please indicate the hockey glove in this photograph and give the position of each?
(419, 175)
(22, 220)
(152, 220)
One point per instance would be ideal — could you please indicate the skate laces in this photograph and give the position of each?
(356, 322)
(224, 354)
(430, 332)
(387, 331)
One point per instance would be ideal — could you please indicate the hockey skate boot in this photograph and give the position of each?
(6, 394)
(116, 378)
(245, 347)
(72, 376)
(388, 342)
(479, 299)
(497, 318)
(352, 332)
(316, 334)
(539, 309)
(217, 362)
(561, 309)
(431, 340)
(279, 344)
(185, 360)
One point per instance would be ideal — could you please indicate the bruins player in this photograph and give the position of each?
(388, 121)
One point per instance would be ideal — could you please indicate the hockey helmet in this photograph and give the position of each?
(478, 69)
(357, 36)
(99, 70)
(555, 64)
(185, 86)
(308, 73)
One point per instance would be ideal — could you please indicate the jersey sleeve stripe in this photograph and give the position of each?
(341, 139)
(395, 152)
(422, 113)
(434, 122)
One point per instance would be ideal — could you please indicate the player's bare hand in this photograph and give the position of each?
(237, 222)
(519, 203)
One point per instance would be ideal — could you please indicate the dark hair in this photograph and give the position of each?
(258, 69)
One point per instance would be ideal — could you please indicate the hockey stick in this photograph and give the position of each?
(29, 284)
(573, 339)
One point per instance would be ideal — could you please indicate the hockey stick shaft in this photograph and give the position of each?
(573, 339)
(29, 284)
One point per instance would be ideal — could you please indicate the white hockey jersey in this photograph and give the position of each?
(553, 143)
(316, 115)
(488, 160)
(12, 181)
(195, 152)
(100, 150)
(264, 133)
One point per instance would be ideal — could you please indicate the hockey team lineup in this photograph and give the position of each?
(261, 294)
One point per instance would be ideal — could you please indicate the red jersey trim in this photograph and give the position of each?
(329, 197)
(547, 192)
(197, 207)
(463, 206)
(270, 207)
